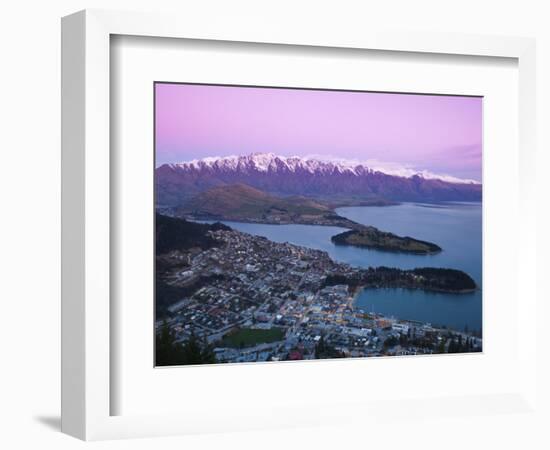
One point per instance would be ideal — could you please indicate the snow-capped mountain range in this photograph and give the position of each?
(308, 176)
(270, 162)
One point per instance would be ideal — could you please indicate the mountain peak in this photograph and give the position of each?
(309, 177)
(272, 163)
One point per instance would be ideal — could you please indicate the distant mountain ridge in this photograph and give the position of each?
(290, 176)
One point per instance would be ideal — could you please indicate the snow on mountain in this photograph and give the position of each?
(310, 177)
(269, 162)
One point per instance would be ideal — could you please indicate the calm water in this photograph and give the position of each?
(455, 227)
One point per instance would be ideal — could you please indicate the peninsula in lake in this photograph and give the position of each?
(370, 237)
(232, 296)
(243, 203)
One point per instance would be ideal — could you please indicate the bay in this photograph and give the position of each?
(455, 227)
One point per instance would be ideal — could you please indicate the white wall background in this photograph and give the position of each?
(29, 227)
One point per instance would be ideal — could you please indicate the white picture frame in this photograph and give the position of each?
(86, 219)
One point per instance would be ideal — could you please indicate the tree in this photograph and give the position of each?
(320, 348)
(324, 350)
(168, 352)
(454, 347)
(208, 356)
(192, 351)
(195, 353)
(391, 341)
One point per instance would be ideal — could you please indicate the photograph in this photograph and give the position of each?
(296, 223)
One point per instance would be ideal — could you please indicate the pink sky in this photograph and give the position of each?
(440, 134)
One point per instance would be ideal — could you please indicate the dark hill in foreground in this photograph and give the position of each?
(178, 234)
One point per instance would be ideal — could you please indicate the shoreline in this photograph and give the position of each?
(424, 289)
(372, 247)
(348, 225)
(359, 290)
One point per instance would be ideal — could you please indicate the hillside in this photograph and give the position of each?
(243, 203)
(242, 200)
(178, 234)
(343, 182)
(426, 278)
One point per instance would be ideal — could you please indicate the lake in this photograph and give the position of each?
(455, 227)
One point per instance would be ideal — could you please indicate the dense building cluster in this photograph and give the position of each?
(268, 301)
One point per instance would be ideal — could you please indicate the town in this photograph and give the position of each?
(267, 301)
